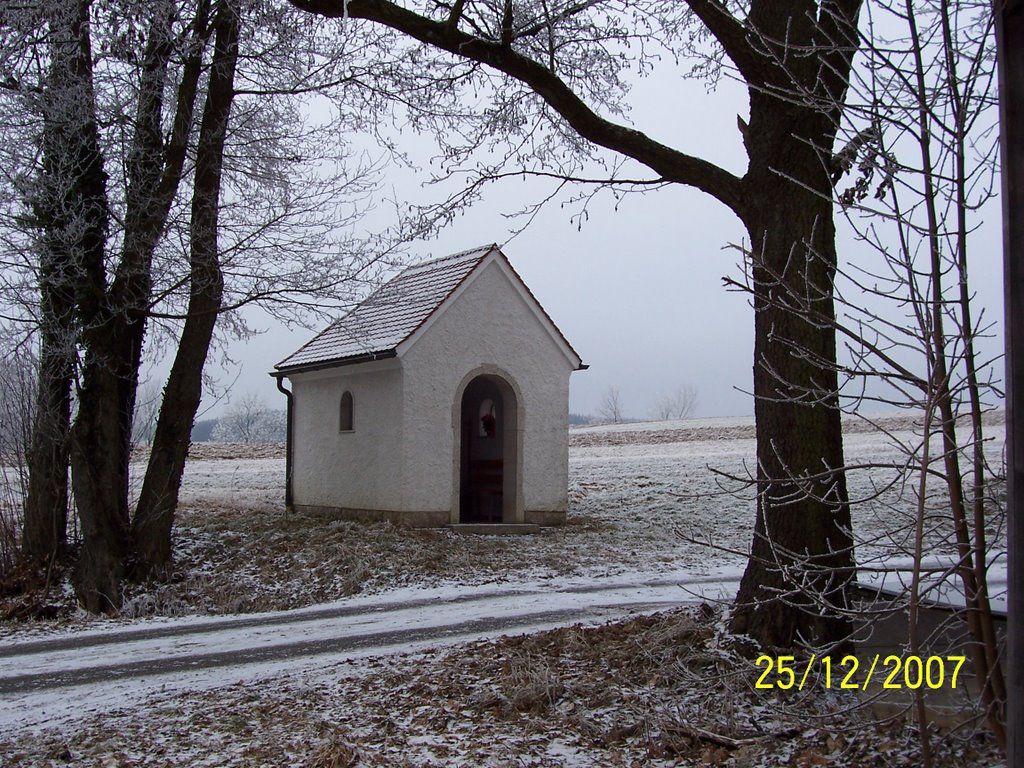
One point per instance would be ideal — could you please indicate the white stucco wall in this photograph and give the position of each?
(402, 456)
(360, 469)
(487, 328)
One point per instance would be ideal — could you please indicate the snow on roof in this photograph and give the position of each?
(392, 313)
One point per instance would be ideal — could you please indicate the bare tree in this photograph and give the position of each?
(269, 226)
(562, 64)
(679, 403)
(249, 420)
(926, 147)
(151, 528)
(18, 374)
(610, 409)
(110, 92)
(69, 207)
(919, 126)
(147, 409)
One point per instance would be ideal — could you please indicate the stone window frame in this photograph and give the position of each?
(346, 412)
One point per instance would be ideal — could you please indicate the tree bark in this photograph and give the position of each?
(154, 174)
(113, 325)
(44, 535)
(114, 319)
(154, 515)
(793, 591)
(71, 207)
(78, 213)
(801, 559)
(99, 461)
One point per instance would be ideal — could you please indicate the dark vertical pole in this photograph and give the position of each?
(288, 501)
(1009, 16)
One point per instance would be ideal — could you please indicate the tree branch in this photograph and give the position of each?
(668, 163)
(549, 20)
(506, 25)
(731, 34)
(456, 14)
(837, 21)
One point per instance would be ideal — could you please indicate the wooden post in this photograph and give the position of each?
(1009, 16)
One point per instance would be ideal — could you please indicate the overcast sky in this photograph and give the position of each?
(638, 290)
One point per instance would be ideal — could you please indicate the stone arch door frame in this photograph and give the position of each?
(512, 443)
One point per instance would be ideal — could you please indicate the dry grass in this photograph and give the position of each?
(244, 558)
(661, 690)
(250, 556)
(335, 752)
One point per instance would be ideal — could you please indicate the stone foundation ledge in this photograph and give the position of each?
(436, 519)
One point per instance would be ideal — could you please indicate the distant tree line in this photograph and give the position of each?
(247, 420)
(669, 405)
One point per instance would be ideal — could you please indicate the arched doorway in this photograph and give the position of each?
(487, 463)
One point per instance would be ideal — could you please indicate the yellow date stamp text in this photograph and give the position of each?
(892, 671)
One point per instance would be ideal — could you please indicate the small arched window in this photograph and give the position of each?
(345, 413)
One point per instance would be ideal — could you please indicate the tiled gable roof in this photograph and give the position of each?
(391, 314)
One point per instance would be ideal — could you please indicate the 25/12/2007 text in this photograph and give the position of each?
(897, 672)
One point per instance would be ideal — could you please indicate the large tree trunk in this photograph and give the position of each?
(46, 504)
(793, 591)
(99, 464)
(115, 320)
(72, 207)
(112, 328)
(154, 515)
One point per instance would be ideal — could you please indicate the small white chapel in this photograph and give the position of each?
(441, 399)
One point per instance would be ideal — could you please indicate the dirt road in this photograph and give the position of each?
(47, 680)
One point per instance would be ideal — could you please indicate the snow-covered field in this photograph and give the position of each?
(647, 501)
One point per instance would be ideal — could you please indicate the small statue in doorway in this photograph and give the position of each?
(489, 423)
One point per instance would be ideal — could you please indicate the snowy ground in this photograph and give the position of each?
(643, 498)
(40, 680)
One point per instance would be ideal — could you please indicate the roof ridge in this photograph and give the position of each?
(393, 312)
(480, 249)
